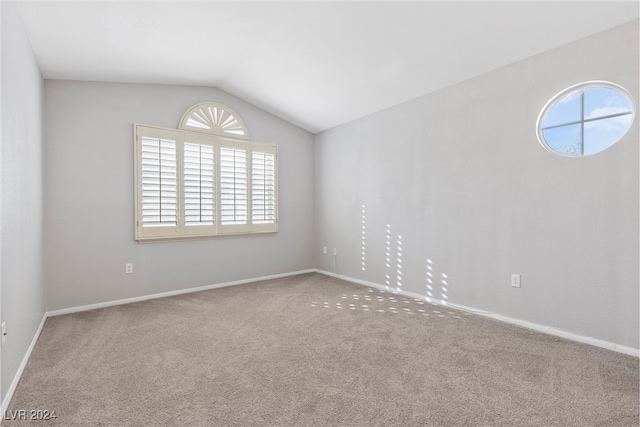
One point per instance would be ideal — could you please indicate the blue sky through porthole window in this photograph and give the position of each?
(585, 119)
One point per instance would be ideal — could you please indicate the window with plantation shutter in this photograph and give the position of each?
(263, 188)
(199, 189)
(191, 184)
(233, 186)
(159, 195)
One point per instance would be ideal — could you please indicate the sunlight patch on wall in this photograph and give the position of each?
(387, 255)
(399, 262)
(363, 236)
(444, 288)
(429, 279)
(432, 287)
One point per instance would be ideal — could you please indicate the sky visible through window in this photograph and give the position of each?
(587, 121)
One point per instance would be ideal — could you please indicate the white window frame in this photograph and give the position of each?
(181, 231)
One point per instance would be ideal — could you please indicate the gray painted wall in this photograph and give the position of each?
(463, 183)
(21, 280)
(89, 199)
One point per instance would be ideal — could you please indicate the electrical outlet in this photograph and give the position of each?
(335, 251)
(128, 268)
(324, 250)
(515, 280)
(4, 332)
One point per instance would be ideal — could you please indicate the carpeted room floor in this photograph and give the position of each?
(312, 350)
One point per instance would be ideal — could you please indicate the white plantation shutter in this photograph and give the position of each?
(159, 197)
(199, 184)
(233, 186)
(263, 187)
(191, 185)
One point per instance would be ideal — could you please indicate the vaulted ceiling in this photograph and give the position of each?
(315, 64)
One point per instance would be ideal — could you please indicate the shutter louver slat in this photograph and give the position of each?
(263, 188)
(199, 190)
(233, 186)
(159, 196)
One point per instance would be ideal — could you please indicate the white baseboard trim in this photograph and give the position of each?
(523, 323)
(23, 364)
(88, 307)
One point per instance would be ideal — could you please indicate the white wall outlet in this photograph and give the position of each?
(4, 332)
(335, 251)
(128, 268)
(324, 250)
(515, 280)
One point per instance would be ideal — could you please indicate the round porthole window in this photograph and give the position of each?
(585, 119)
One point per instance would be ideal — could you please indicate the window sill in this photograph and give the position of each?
(203, 237)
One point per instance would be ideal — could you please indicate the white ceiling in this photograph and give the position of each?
(315, 64)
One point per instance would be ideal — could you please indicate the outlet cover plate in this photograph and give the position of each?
(515, 280)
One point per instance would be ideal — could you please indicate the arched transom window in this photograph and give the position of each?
(217, 119)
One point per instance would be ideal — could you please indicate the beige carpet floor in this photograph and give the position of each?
(312, 350)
